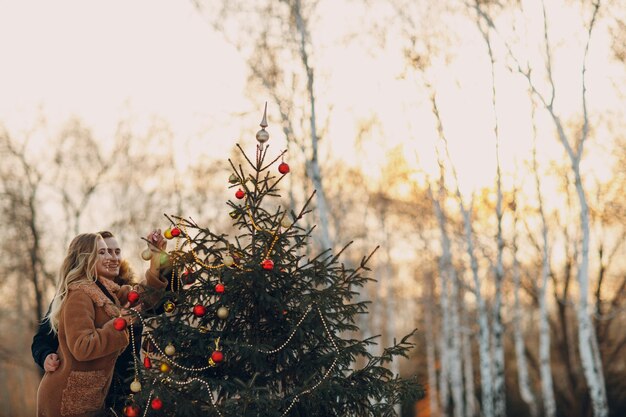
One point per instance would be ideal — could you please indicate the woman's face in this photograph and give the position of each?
(102, 258)
(113, 265)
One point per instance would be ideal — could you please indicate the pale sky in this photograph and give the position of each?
(104, 60)
(98, 60)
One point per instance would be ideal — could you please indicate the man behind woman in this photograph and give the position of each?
(80, 363)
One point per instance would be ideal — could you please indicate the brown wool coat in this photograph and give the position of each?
(88, 348)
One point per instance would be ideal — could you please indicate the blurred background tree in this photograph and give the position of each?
(352, 86)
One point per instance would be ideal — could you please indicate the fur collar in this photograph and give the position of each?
(98, 297)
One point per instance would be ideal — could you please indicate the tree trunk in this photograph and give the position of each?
(430, 347)
(587, 342)
(312, 164)
(468, 370)
(545, 369)
(449, 305)
(499, 389)
(522, 367)
(483, 320)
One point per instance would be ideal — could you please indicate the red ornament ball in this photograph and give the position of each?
(240, 194)
(219, 288)
(217, 356)
(147, 363)
(156, 404)
(267, 264)
(132, 411)
(199, 310)
(133, 297)
(119, 324)
(188, 277)
(283, 168)
(175, 232)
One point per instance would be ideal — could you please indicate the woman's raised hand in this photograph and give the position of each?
(157, 242)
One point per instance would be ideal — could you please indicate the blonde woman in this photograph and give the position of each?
(82, 314)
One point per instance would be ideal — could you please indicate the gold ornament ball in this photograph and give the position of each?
(168, 233)
(262, 136)
(165, 368)
(169, 306)
(135, 386)
(170, 349)
(233, 179)
(228, 260)
(286, 223)
(146, 254)
(222, 313)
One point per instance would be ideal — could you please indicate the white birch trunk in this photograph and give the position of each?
(499, 389)
(456, 365)
(444, 393)
(483, 323)
(545, 370)
(468, 371)
(312, 164)
(444, 338)
(390, 306)
(587, 342)
(431, 355)
(483, 320)
(452, 328)
(526, 392)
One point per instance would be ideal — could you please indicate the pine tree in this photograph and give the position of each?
(249, 326)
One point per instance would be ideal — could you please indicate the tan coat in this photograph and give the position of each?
(88, 348)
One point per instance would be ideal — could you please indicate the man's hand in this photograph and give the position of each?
(51, 363)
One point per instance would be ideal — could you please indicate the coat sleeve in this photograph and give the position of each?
(84, 340)
(155, 280)
(45, 341)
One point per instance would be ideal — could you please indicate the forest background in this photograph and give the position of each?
(479, 143)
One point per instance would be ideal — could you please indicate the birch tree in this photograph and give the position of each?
(499, 389)
(587, 341)
(431, 354)
(468, 363)
(282, 64)
(451, 335)
(484, 340)
(547, 390)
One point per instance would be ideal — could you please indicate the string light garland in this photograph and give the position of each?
(293, 332)
(145, 409)
(268, 352)
(195, 255)
(206, 248)
(201, 381)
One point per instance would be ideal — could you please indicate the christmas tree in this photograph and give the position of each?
(250, 326)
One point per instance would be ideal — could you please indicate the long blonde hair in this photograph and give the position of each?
(79, 265)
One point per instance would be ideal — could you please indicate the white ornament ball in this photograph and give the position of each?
(222, 313)
(228, 260)
(146, 254)
(135, 386)
(262, 136)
